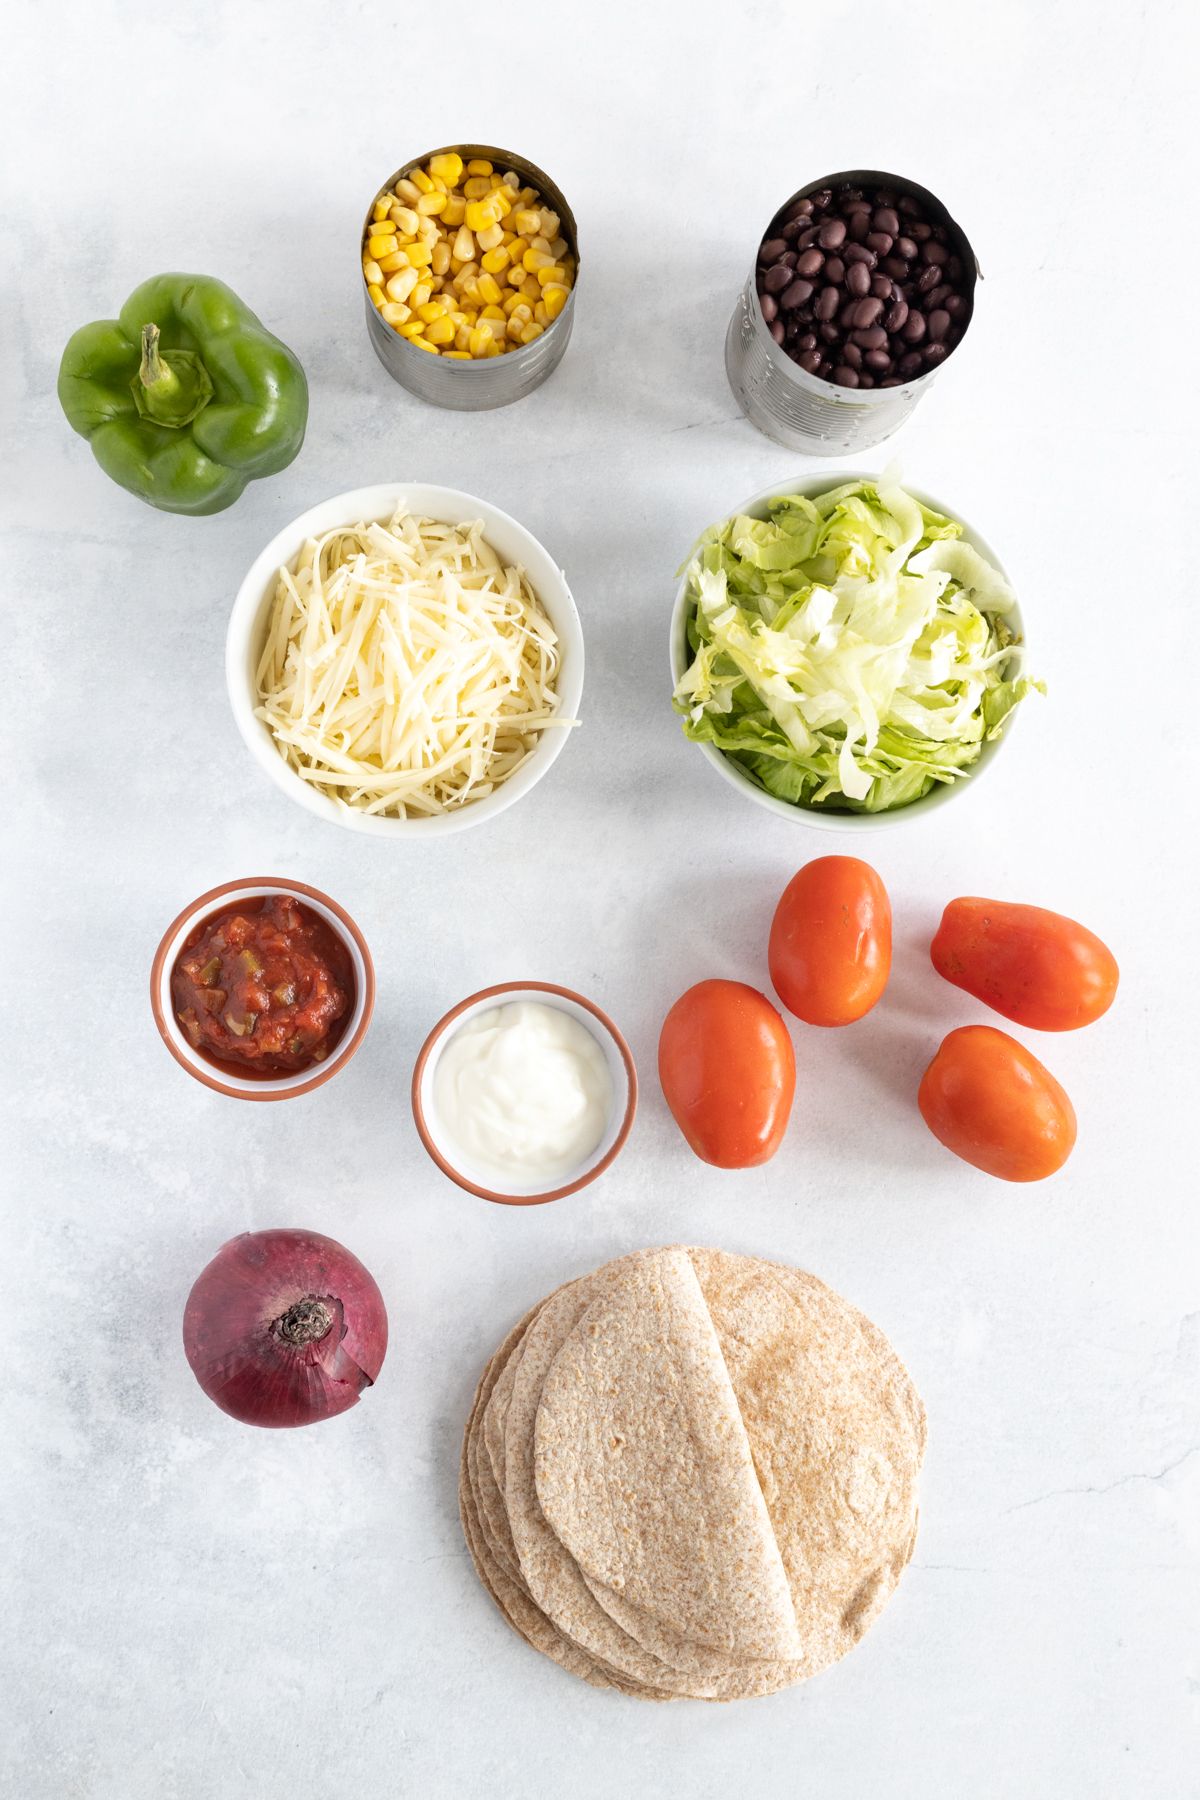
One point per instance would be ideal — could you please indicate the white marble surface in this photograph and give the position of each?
(194, 1611)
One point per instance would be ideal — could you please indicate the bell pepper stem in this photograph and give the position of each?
(169, 393)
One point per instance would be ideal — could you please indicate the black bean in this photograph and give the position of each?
(810, 360)
(846, 316)
(827, 303)
(858, 253)
(857, 226)
(821, 198)
(956, 305)
(928, 278)
(879, 360)
(905, 247)
(791, 231)
(799, 209)
(858, 279)
(807, 342)
(886, 220)
(770, 307)
(934, 253)
(879, 241)
(770, 248)
(919, 230)
(797, 294)
(865, 380)
(852, 356)
(870, 337)
(833, 234)
(909, 364)
(807, 237)
(913, 329)
(777, 278)
(845, 376)
(868, 311)
(909, 205)
(934, 354)
(896, 267)
(940, 235)
(895, 315)
(776, 330)
(881, 287)
(828, 333)
(890, 381)
(835, 270)
(809, 262)
(939, 296)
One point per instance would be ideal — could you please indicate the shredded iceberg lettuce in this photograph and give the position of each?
(849, 652)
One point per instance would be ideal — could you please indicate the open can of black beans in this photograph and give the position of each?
(476, 386)
(860, 241)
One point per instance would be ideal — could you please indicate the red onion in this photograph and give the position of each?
(284, 1328)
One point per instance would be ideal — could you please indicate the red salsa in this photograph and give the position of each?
(264, 987)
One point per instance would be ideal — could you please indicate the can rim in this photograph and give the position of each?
(546, 187)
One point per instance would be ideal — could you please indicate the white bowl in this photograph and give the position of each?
(621, 1071)
(219, 1077)
(511, 541)
(810, 486)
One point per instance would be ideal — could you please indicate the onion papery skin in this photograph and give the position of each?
(257, 1288)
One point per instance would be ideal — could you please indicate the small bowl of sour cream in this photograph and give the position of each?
(524, 1093)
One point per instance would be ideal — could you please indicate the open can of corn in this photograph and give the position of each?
(470, 260)
(802, 410)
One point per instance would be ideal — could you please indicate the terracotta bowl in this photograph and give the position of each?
(223, 1080)
(620, 1067)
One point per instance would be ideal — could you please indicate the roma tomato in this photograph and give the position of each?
(990, 1100)
(830, 951)
(728, 1072)
(1033, 966)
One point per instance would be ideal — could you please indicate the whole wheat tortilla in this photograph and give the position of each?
(661, 1450)
(644, 1474)
(837, 1435)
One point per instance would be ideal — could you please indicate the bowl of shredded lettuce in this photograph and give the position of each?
(847, 654)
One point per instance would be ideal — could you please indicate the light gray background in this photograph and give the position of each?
(195, 1610)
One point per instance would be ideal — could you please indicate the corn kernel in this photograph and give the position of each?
(482, 213)
(477, 187)
(419, 255)
(554, 298)
(489, 237)
(527, 222)
(462, 339)
(492, 312)
(382, 245)
(421, 294)
(449, 165)
(373, 272)
(427, 231)
(463, 248)
(420, 180)
(515, 276)
(422, 343)
(540, 315)
(512, 180)
(495, 261)
(405, 220)
(431, 204)
(552, 272)
(515, 328)
(489, 288)
(513, 303)
(559, 248)
(527, 196)
(412, 328)
(401, 284)
(540, 243)
(397, 260)
(477, 166)
(441, 257)
(432, 309)
(382, 208)
(457, 355)
(531, 332)
(480, 338)
(440, 331)
(455, 212)
(551, 223)
(536, 259)
(395, 312)
(376, 293)
(407, 190)
(531, 290)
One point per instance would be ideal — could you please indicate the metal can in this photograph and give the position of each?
(801, 410)
(497, 380)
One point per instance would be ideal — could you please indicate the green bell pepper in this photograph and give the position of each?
(186, 397)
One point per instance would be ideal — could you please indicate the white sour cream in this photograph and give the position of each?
(523, 1094)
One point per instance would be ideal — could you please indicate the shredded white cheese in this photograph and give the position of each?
(406, 671)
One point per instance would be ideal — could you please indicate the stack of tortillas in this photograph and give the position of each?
(692, 1474)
